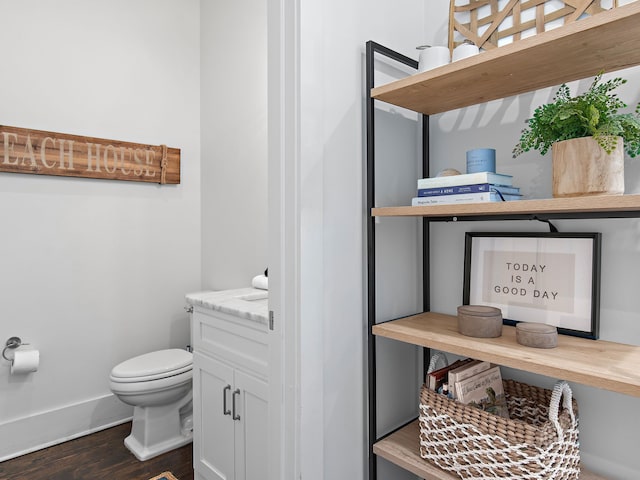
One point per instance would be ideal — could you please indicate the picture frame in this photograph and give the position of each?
(551, 278)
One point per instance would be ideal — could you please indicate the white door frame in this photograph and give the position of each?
(283, 79)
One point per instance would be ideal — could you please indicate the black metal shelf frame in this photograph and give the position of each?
(372, 49)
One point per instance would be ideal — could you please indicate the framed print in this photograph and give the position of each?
(551, 278)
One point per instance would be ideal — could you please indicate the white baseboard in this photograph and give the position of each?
(44, 429)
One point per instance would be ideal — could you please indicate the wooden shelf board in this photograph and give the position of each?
(597, 363)
(590, 204)
(402, 448)
(607, 41)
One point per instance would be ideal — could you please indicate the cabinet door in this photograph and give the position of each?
(213, 441)
(251, 440)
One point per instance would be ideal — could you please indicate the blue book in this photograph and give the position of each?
(461, 198)
(457, 189)
(505, 190)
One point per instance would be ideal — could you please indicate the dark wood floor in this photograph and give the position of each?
(99, 456)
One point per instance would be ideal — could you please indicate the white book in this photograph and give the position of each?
(466, 179)
(485, 391)
(478, 197)
(464, 372)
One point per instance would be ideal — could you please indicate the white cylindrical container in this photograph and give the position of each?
(465, 50)
(433, 57)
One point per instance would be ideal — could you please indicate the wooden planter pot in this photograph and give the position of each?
(582, 167)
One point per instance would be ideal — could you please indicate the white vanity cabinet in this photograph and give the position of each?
(230, 394)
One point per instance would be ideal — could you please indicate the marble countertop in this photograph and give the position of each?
(249, 303)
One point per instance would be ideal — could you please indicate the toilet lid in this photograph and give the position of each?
(153, 365)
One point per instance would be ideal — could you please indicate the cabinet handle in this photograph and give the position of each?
(233, 398)
(225, 410)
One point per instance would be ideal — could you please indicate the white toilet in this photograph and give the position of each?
(158, 385)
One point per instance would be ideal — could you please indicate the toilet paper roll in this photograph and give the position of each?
(25, 361)
(260, 282)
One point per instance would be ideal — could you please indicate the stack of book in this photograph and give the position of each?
(466, 188)
(473, 382)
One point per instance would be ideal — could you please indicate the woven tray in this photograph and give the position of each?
(539, 441)
(487, 25)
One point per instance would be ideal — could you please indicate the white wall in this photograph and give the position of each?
(333, 36)
(234, 142)
(95, 271)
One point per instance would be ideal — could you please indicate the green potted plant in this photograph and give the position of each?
(588, 138)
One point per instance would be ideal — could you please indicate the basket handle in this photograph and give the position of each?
(561, 390)
(435, 358)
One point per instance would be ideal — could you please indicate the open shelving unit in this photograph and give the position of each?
(606, 41)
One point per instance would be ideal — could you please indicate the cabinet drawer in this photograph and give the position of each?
(238, 340)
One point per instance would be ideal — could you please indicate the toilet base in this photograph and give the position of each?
(143, 453)
(159, 429)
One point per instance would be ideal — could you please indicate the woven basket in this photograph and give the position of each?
(538, 441)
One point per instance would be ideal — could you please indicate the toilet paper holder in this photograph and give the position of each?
(12, 344)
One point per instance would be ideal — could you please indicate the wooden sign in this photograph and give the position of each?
(46, 153)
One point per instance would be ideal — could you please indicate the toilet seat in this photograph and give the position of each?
(132, 387)
(158, 365)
